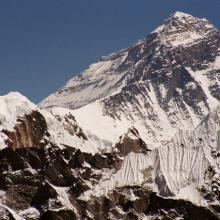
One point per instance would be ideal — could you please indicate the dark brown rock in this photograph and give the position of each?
(29, 132)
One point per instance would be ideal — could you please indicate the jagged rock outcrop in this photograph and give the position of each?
(49, 187)
(68, 122)
(29, 131)
(131, 142)
(49, 179)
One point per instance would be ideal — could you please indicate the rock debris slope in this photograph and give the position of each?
(134, 136)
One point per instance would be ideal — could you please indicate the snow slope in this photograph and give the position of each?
(96, 78)
(14, 107)
(178, 168)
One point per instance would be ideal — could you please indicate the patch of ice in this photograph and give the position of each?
(30, 213)
(191, 193)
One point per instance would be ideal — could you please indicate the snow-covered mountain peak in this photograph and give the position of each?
(184, 18)
(12, 106)
(180, 14)
(164, 83)
(181, 29)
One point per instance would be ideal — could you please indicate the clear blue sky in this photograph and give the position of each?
(43, 43)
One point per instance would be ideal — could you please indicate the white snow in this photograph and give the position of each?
(30, 213)
(63, 198)
(178, 35)
(202, 79)
(98, 78)
(177, 167)
(3, 138)
(131, 196)
(105, 130)
(191, 193)
(180, 164)
(184, 39)
(12, 106)
(181, 14)
(92, 120)
(176, 14)
(61, 137)
(158, 29)
(13, 213)
(103, 80)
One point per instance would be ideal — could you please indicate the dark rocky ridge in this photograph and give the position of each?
(28, 178)
(131, 142)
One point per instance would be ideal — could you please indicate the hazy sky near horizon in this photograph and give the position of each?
(44, 43)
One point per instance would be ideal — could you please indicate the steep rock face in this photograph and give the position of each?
(68, 122)
(42, 181)
(167, 89)
(131, 142)
(29, 131)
